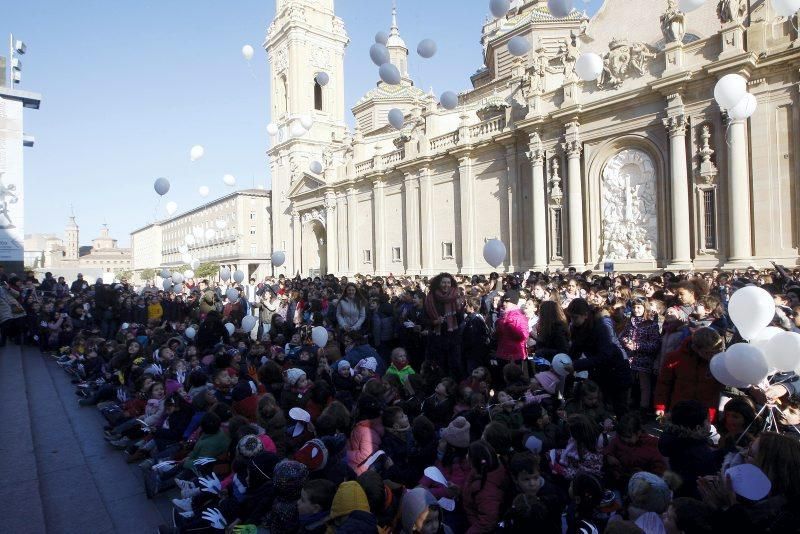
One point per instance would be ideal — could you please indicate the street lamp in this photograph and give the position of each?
(15, 47)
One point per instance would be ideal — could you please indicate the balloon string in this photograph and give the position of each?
(751, 423)
(155, 209)
(250, 68)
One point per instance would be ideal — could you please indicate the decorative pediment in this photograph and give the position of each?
(306, 184)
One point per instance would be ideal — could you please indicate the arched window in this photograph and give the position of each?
(317, 96)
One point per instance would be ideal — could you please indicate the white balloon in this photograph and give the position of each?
(229, 180)
(786, 8)
(230, 328)
(559, 362)
(177, 278)
(171, 207)
(190, 332)
(746, 363)
(729, 90)
(186, 258)
(210, 233)
(183, 249)
(319, 336)
(177, 288)
(204, 190)
(306, 121)
(189, 239)
(272, 129)
(167, 285)
(720, 372)
(161, 185)
(197, 152)
(744, 109)
(297, 130)
(762, 339)
(499, 8)
(323, 78)
(225, 274)
(688, 6)
(248, 323)
(247, 52)
(589, 66)
(427, 48)
(494, 252)
(436, 475)
(449, 100)
(188, 273)
(238, 277)
(559, 8)
(315, 167)
(198, 232)
(390, 74)
(232, 294)
(278, 258)
(751, 309)
(382, 38)
(221, 224)
(379, 54)
(518, 46)
(165, 273)
(783, 351)
(396, 118)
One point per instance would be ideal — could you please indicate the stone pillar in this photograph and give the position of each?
(426, 219)
(511, 191)
(577, 257)
(679, 187)
(352, 245)
(466, 185)
(739, 224)
(538, 203)
(378, 211)
(331, 234)
(296, 243)
(411, 223)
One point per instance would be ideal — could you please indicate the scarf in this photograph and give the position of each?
(450, 304)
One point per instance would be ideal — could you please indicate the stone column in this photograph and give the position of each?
(538, 203)
(466, 186)
(577, 257)
(331, 231)
(352, 245)
(296, 243)
(426, 219)
(411, 223)
(511, 191)
(739, 224)
(379, 255)
(679, 187)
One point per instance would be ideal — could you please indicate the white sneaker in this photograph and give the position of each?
(183, 504)
(188, 493)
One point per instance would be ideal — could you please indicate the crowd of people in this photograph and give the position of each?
(549, 402)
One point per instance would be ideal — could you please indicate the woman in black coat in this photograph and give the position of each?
(211, 332)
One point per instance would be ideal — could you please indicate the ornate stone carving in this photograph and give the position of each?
(732, 11)
(535, 149)
(313, 215)
(330, 202)
(556, 194)
(628, 207)
(281, 60)
(568, 54)
(673, 23)
(320, 58)
(708, 171)
(622, 60)
(676, 125)
(573, 148)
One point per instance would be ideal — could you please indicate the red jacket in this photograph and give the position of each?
(512, 333)
(644, 456)
(482, 506)
(686, 376)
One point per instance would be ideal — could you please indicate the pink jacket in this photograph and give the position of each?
(365, 440)
(483, 507)
(512, 332)
(457, 474)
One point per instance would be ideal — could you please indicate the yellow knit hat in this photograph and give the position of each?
(349, 497)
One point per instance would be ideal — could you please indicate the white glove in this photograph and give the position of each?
(164, 466)
(204, 460)
(181, 376)
(215, 517)
(156, 368)
(211, 484)
(122, 395)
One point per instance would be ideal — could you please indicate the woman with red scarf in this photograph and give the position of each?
(444, 308)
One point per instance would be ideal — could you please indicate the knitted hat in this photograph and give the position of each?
(288, 479)
(368, 363)
(457, 433)
(314, 455)
(342, 364)
(349, 497)
(549, 381)
(249, 446)
(293, 375)
(649, 492)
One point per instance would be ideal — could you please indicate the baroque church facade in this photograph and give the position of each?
(640, 168)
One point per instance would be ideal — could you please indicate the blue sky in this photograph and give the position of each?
(129, 86)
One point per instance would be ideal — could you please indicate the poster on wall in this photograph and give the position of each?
(11, 183)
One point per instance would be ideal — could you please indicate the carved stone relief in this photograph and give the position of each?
(622, 60)
(628, 207)
(732, 11)
(673, 23)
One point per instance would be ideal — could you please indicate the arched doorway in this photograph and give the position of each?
(314, 249)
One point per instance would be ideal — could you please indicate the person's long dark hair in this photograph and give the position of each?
(483, 459)
(360, 299)
(550, 313)
(579, 306)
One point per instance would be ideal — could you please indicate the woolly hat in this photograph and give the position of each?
(457, 433)
(414, 503)
(314, 455)
(293, 375)
(549, 381)
(368, 363)
(349, 497)
(288, 479)
(342, 364)
(249, 446)
(649, 492)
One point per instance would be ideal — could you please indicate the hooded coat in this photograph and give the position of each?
(365, 440)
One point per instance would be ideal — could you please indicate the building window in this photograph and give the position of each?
(252, 216)
(558, 240)
(396, 255)
(252, 230)
(252, 250)
(367, 256)
(447, 250)
(710, 219)
(317, 96)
